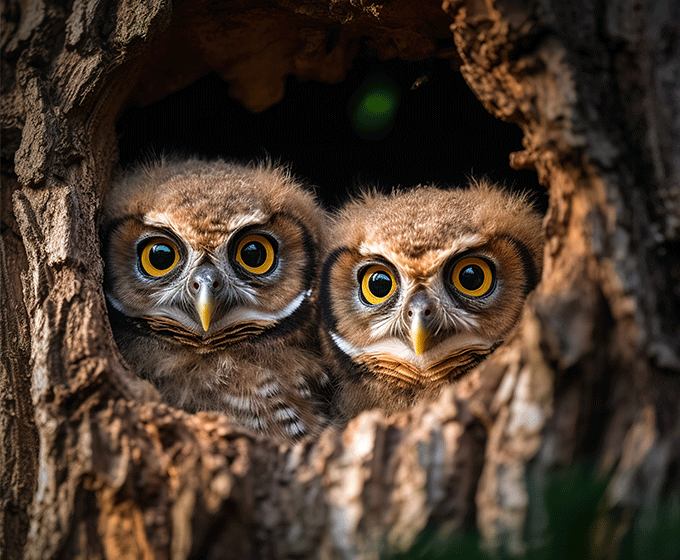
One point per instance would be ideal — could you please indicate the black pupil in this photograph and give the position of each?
(380, 284)
(471, 277)
(253, 254)
(162, 256)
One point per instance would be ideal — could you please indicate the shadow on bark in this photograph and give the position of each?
(94, 467)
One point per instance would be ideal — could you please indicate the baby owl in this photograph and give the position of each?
(211, 282)
(420, 286)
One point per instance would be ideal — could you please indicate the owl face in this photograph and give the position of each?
(205, 258)
(420, 286)
(211, 281)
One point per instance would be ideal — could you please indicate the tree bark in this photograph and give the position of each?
(93, 466)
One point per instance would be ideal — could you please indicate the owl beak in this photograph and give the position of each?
(204, 284)
(420, 313)
(419, 334)
(205, 304)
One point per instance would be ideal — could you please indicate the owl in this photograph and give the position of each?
(420, 286)
(211, 283)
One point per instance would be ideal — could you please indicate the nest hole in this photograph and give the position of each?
(437, 130)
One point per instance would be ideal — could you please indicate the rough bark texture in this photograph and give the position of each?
(93, 467)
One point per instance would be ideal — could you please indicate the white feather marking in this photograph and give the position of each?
(254, 216)
(164, 220)
(286, 413)
(304, 392)
(461, 319)
(159, 220)
(295, 428)
(239, 403)
(435, 259)
(255, 423)
(402, 351)
(237, 315)
(268, 389)
(240, 314)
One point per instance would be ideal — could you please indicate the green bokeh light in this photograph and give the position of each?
(373, 108)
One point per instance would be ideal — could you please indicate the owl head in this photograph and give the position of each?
(208, 254)
(419, 286)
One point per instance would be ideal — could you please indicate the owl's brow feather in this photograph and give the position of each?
(116, 223)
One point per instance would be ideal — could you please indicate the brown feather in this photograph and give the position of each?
(263, 372)
(419, 234)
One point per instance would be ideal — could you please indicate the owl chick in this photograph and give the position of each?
(211, 282)
(420, 286)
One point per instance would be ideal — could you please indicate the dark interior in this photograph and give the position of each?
(440, 133)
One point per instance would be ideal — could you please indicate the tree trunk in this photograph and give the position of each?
(93, 466)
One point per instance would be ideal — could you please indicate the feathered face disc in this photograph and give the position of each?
(211, 256)
(422, 285)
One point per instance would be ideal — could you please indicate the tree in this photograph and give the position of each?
(93, 466)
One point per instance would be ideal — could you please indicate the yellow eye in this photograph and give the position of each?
(255, 253)
(472, 276)
(159, 256)
(377, 284)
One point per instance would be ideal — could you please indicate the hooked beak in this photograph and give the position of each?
(420, 312)
(420, 332)
(204, 284)
(205, 304)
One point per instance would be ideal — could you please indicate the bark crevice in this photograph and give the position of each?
(93, 466)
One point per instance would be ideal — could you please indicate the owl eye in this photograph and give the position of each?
(473, 276)
(255, 253)
(159, 256)
(377, 284)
